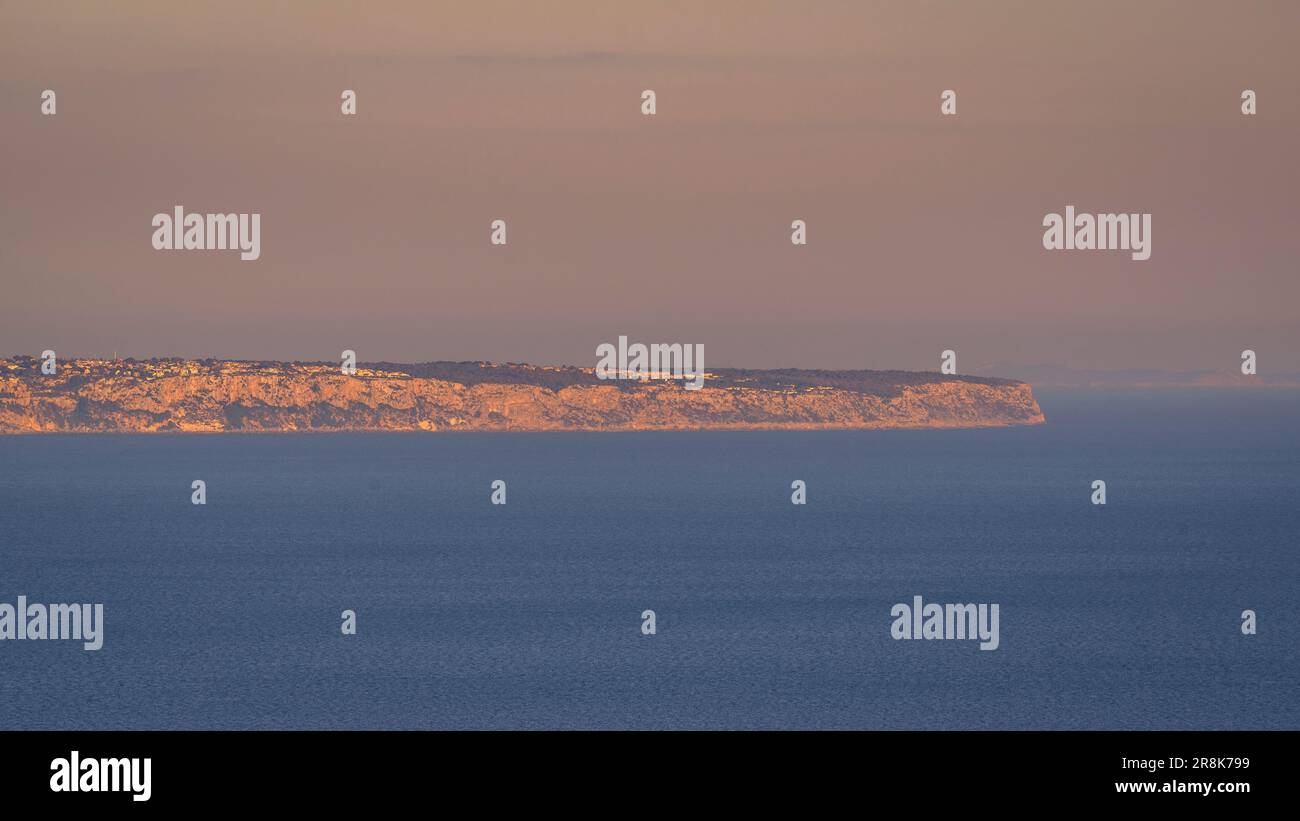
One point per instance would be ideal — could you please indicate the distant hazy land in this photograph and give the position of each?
(209, 395)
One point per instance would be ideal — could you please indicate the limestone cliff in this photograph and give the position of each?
(88, 395)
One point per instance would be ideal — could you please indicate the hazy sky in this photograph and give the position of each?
(924, 231)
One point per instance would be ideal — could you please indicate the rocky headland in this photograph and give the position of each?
(179, 395)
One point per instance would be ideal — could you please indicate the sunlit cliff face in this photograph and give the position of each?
(215, 396)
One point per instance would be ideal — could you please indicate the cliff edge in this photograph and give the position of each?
(162, 395)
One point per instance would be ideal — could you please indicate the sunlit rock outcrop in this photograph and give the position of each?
(88, 395)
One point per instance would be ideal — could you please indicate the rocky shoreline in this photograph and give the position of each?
(192, 396)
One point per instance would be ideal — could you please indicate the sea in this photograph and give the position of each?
(767, 614)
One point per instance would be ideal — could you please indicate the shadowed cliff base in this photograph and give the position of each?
(210, 395)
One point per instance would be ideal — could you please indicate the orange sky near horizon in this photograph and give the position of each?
(925, 232)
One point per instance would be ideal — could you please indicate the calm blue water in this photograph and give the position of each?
(769, 615)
